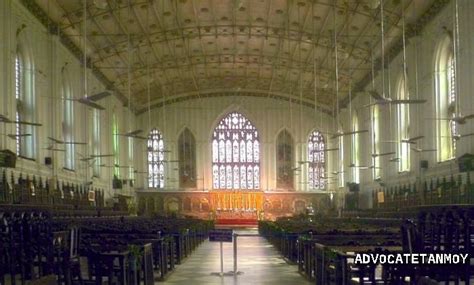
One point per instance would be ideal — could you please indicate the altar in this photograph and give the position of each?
(236, 201)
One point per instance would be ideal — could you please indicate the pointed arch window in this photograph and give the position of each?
(445, 100)
(317, 161)
(68, 123)
(235, 154)
(116, 145)
(355, 150)
(285, 173)
(403, 111)
(25, 106)
(375, 116)
(131, 174)
(340, 170)
(187, 159)
(96, 143)
(156, 169)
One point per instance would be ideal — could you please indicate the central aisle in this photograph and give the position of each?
(257, 259)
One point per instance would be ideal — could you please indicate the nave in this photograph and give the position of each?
(131, 131)
(258, 263)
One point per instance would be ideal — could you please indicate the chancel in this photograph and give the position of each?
(236, 142)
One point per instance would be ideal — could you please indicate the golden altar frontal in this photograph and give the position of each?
(239, 200)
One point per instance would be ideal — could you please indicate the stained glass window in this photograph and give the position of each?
(235, 154)
(18, 97)
(316, 161)
(187, 159)
(156, 178)
(284, 160)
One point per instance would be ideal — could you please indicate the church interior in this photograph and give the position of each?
(161, 141)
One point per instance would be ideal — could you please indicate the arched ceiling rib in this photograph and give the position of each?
(198, 47)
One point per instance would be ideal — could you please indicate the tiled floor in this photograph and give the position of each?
(258, 261)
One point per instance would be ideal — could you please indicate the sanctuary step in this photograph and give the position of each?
(238, 222)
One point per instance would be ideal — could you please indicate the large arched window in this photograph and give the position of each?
(445, 100)
(68, 122)
(25, 102)
(187, 159)
(317, 161)
(156, 169)
(403, 126)
(235, 154)
(284, 161)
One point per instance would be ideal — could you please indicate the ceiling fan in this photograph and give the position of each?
(52, 148)
(133, 134)
(457, 137)
(89, 101)
(382, 154)
(56, 141)
(459, 119)
(4, 119)
(408, 140)
(380, 100)
(340, 133)
(415, 149)
(15, 136)
(164, 151)
(170, 161)
(326, 150)
(95, 156)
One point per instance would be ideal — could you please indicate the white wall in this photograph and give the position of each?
(200, 116)
(421, 51)
(48, 57)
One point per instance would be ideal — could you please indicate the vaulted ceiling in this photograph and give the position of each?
(155, 51)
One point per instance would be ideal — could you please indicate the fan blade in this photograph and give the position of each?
(99, 96)
(89, 103)
(469, 116)
(54, 149)
(382, 154)
(139, 137)
(14, 136)
(415, 138)
(26, 123)
(56, 140)
(349, 133)
(133, 133)
(101, 155)
(408, 101)
(326, 150)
